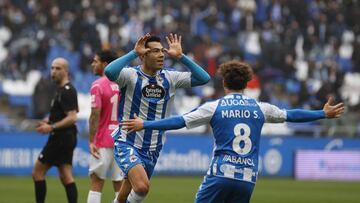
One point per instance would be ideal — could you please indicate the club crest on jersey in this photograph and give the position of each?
(133, 158)
(153, 92)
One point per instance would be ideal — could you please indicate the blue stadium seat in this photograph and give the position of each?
(22, 101)
(5, 124)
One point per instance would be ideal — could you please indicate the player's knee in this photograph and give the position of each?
(36, 175)
(142, 188)
(66, 179)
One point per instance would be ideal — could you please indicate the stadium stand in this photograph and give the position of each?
(300, 56)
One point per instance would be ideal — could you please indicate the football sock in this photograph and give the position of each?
(40, 191)
(94, 197)
(134, 197)
(71, 192)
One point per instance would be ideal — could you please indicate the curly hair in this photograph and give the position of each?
(236, 74)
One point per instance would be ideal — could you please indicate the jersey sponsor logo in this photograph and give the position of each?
(153, 92)
(238, 160)
(236, 102)
(114, 87)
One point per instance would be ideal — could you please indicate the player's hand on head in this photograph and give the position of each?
(94, 150)
(175, 49)
(135, 124)
(333, 111)
(140, 45)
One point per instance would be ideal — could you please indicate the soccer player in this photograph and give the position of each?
(103, 120)
(60, 146)
(236, 121)
(147, 90)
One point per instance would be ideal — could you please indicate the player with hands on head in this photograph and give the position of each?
(148, 91)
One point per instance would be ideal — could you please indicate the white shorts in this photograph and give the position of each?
(105, 164)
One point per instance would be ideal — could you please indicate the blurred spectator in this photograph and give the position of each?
(299, 55)
(41, 100)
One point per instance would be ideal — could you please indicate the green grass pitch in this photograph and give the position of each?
(183, 189)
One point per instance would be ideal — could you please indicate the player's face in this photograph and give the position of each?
(97, 66)
(154, 59)
(58, 72)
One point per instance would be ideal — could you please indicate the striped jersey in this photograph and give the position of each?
(149, 97)
(236, 121)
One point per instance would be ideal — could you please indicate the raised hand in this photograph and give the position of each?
(135, 124)
(333, 111)
(175, 49)
(140, 45)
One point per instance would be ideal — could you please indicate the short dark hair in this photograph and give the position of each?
(107, 56)
(236, 74)
(152, 39)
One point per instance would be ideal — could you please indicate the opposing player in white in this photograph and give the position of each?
(236, 121)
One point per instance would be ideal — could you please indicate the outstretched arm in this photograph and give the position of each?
(329, 111)
(198, 75)
(113, 70)
(302, 115)
(275, 115)
(137, 124)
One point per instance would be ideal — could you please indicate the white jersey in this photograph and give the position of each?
(150, 98)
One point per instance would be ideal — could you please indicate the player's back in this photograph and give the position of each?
(105, 95)
(236, 124)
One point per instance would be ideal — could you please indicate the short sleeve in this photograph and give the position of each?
(180, 79)
(95, 93)
(272, 113)
(200, 116)
(125, 76)
(68, 100)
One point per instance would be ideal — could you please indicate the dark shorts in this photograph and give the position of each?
(59, 148)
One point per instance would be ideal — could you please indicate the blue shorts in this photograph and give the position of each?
(128, 156)
(224, 190)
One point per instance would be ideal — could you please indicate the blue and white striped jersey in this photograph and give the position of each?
(150, 98)
(236, 121)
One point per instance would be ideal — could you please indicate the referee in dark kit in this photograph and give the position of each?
(60, 146)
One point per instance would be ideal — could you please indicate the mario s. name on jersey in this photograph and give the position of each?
(238, 113)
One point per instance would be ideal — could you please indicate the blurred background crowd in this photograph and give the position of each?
(302, 51)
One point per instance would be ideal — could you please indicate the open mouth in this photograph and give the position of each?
(160, 62)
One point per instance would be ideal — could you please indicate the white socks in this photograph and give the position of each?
(116, 196)
(94, 197)
(135, 198)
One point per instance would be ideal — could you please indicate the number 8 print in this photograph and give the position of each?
(245, 137)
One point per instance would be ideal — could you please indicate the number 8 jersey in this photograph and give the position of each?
(236, 121)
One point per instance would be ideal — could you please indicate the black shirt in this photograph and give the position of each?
(65, 100)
